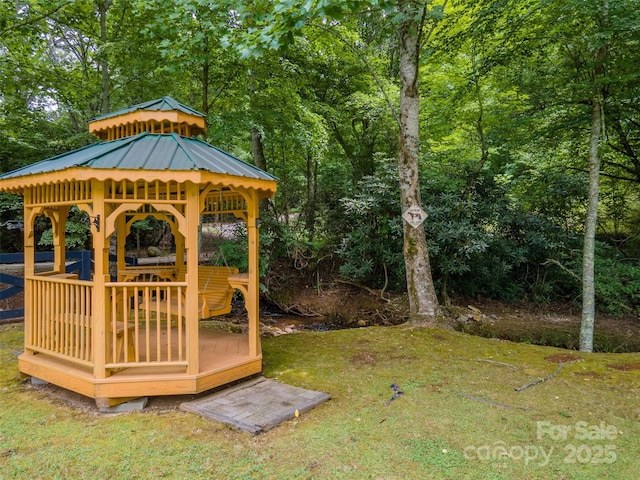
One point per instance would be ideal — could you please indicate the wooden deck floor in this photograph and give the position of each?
(223, 358)
(216, 350)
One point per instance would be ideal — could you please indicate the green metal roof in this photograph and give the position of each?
(147, 151)
(164, 104)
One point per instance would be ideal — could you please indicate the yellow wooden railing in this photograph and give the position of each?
(144, 322)
(60, 318)
(147, 325)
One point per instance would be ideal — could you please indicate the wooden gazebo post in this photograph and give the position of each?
(252, 305)
(29, 263)
(100, 277)
(192, 214)
(59, 222)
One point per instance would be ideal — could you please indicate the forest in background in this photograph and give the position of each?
(506, 91)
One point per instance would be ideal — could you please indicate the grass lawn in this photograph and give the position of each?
(460, 417)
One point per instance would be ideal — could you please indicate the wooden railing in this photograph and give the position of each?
(147, 325)
(81, 266)
(60, 318)
(145, 322)
(148, 273)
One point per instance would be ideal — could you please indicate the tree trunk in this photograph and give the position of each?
(205, 78)
(257, 148)
(588, 254)
(104, 58)
(424, 309)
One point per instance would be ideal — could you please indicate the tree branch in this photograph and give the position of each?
(377, 293)
(390, 104)
(422, 43)
(557, 263)
(35, 19)
(543, 379)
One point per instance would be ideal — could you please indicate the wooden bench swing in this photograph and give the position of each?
(216, 287)
(214, 290)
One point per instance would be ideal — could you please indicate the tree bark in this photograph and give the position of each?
(588, 255)
(104, 58)
(424, 309)
(205, 78)
(257, 148)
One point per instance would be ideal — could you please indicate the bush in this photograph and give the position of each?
(617, 281)
(371, 251)
(484, 243)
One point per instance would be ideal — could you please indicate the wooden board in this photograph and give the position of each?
(257, 405)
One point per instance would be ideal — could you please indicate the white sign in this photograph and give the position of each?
(414, 216)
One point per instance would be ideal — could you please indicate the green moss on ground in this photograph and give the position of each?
(460, 416)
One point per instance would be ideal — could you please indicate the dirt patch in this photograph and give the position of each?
(60, 396)
(340, 304)
(625, 366)
(364, 358)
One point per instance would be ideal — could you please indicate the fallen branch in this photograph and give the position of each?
(299, 311)
(496, 363)
(386, 281)
(294, 309)
(543, 379)
(372, 291)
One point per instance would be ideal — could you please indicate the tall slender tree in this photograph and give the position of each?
(597, 119)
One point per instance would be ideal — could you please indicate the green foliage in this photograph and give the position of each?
(617, 281)
(231, 249)
(484, 244)
(148, 232)
(371, 250)
(10, 209)
(505, 90)
(77, 232)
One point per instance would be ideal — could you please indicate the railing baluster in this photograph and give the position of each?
(145, 321)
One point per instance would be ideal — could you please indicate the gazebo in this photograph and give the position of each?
(132, 331)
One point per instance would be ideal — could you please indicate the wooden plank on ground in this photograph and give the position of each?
(257, 405)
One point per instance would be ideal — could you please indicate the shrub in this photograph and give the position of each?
(371, 250)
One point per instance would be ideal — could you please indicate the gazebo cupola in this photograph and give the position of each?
(122, 331)
(164, 115)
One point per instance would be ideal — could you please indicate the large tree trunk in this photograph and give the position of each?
(423, 302)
